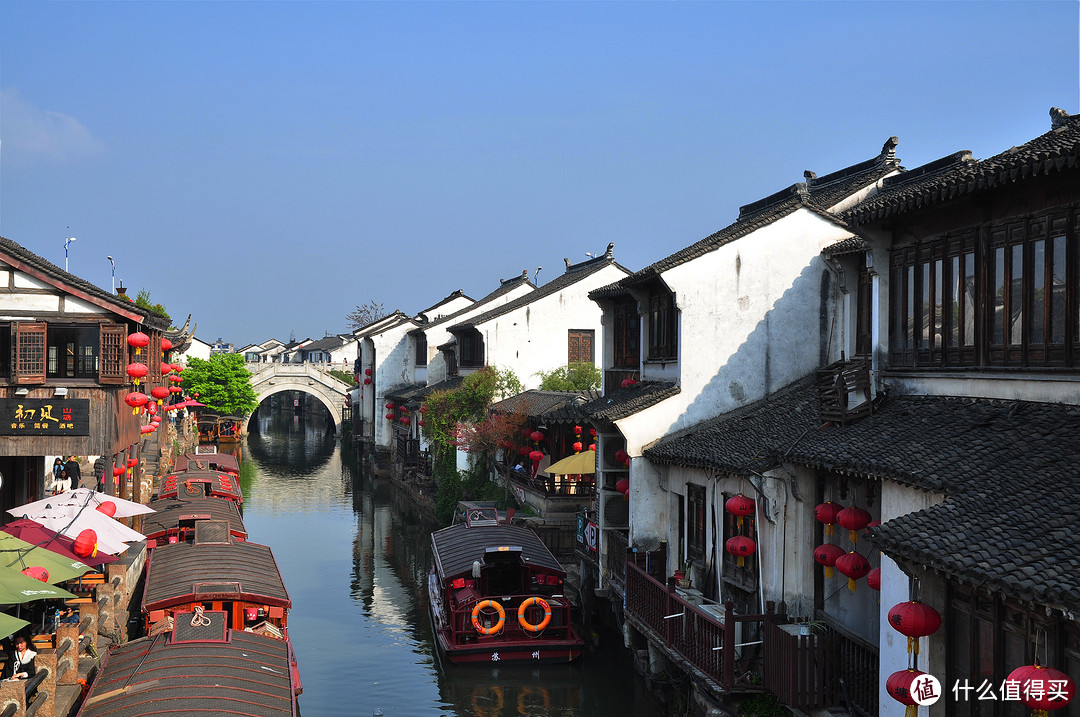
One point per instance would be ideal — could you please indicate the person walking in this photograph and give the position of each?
(74, 472)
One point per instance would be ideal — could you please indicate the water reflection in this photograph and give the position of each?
(355, 555)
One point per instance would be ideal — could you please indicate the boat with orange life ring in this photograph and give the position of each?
(525, 605)
(485, 569)
(489, 629)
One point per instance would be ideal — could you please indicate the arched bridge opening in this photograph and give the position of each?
(276, 378)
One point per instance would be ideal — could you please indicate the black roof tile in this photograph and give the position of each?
(549, 406)
(627, 400)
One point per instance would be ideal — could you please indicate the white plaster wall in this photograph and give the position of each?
(392, 369)
(198, 349)
(5, 276)
(25, 281)
(31, 302)
(1053, 388)
(534, 337)
(78, 306)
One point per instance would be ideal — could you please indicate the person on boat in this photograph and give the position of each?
(21, 664)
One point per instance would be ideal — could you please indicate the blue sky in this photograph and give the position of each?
(267, 166)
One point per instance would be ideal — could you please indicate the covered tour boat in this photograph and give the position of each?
(221, 462)
(199, 484)
(207, 425)
(230, 429)
(497, 593)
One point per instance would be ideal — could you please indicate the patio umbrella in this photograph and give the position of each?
(9, 625)
(80, 497)
(576, 464)
(38, 534)
(18, 555)
(16, 588)
(70, 520)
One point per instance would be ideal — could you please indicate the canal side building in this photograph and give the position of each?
(63, 359)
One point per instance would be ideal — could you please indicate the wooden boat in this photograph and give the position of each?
(221, 462)
(496, 593)
(199, 484)
(199, 666)
(216, 572)
(175, 518)
(207, 425)
(230, 429)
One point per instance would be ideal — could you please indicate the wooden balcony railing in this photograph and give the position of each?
(549, 486)
(693, 633)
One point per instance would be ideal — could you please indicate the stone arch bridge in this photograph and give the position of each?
(270, 378)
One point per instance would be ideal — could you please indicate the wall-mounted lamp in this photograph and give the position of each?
(22, 392)
(60, 391)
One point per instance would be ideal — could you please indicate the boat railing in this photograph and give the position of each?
(559, 628)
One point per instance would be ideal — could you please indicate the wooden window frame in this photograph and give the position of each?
(992, 273)
(626, 332)
(662, 326)
(471, 349)
(420, 349)
(112, 354)
(576, 339)
(696, 514)
(746, 577)
(31, 353)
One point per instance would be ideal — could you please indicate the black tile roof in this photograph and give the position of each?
(505, 286)
(249, 674)
(958, 176)
(549, 406)
(627, 400)
(850, 245)
(412, 394)
(816, 194)
(459, 294)
(21, 254)
(571, 276)
(1011, 471)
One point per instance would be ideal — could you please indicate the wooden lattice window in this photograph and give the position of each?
(695, 524)
(580, 343)
(113, 352)
(662, 333)
(421, 350)
(627, 335)
(30, 352)
(154, 359)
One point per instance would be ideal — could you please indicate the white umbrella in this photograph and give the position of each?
(70, 520)
(83, 496)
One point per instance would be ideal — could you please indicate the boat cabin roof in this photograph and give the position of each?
(245, 674)
(228, 570)
(188, 484)
(207, 461)
(171, 511)
(456, 548)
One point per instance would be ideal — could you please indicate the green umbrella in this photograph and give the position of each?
(16, 588)
(10, 625)
(18, 555)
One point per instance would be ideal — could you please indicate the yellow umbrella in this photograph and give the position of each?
(576, 464)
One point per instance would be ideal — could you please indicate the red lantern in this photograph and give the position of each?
(854, 519)
(826, 555)
(537, 436)
(166, 369)
(138, 340)
(177, 367)
(740, 506)
(175, 379)
(523, 451)
(135, 400)
(826, 513)
(146, 429)
(620, 456)
(578, 447)
(367, 381)
(914, 619)
(160, 393)
(1041, 689)
(741, 547)
(86, 544)
(136, 371)
(175, 389)
(405, 420)
(899, 687)
(367, 372)
(628, 382)
(592, 447)
(117, 472)
(592, 432)
(873, 579)
(536, 456)
(131, 463)
(390, 416)
(420, 423)
(854, 566)
(37, 573)
(107, 507)
(622, 485)
(577, 430)
(422, 409)
(391, 406)
(151, 408)
(166, 345)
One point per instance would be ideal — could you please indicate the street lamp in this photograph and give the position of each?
(113, 273)
(67, 242)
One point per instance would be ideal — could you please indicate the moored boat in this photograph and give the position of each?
(223, 462)
(230, 429)
(207, 425)
(199, 484)
(496, 593)
(175, 519)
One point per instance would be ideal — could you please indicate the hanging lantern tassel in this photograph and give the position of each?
(827, 556)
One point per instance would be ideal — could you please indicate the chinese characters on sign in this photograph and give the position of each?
(44, 417)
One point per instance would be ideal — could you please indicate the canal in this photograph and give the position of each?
(354, 556)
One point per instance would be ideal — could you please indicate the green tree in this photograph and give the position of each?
(142, 300)
(223, 384)
(572, 377)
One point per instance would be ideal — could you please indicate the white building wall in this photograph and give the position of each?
(534, 337)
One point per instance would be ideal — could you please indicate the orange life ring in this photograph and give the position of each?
(525, 604)
(497, 627)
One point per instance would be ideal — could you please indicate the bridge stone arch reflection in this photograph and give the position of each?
(270, 378)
